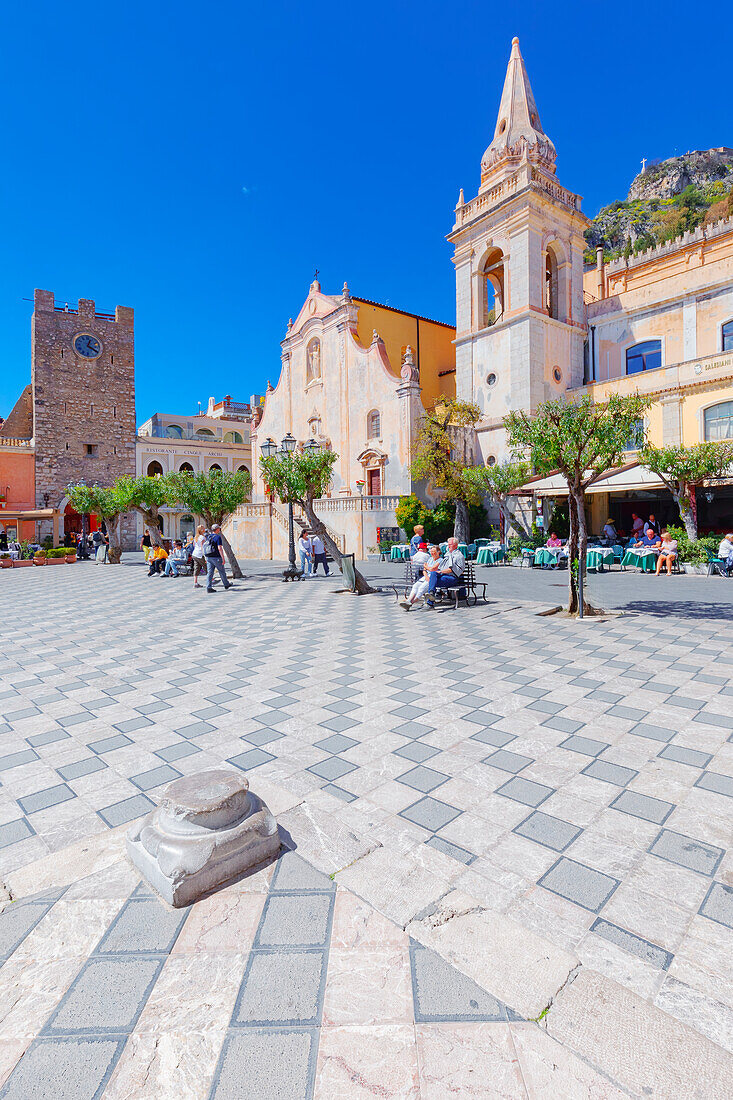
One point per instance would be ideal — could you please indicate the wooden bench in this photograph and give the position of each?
(468, 585)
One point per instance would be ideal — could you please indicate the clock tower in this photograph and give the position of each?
(83, 366)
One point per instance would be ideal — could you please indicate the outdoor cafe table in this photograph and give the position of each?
(646, 560)
(546, 555)
(489, 555)
(599, 556)
(400, 553)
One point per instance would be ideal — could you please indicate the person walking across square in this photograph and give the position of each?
(214, 553)
(319, 555)
(305, 549)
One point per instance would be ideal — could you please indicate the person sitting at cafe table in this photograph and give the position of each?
(667, 554)
(651, 540)
(609, 531)
(553, 542)
(725, 553)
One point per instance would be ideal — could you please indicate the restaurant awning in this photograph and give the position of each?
(623, 479)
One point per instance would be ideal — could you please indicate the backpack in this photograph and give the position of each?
(208, 547)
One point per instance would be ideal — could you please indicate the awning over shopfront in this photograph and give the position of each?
(623, 479)
(13, 516)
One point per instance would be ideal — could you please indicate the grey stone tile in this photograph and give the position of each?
(718, 904)
(64, 1069)
(209, 712)
(525, 791)
(14, 831)
(422, 779)
(686, 851)
(126, 810)
(413, 729)
(281, 988)
(649, 953)
(725, 721)
(295, 920)
(274, 1063)
(107, 996)
(417, 752)
(610, 773)
(19, 715)
(273, 718)
(50, 737)
(493, 737)
(604, 696)
(195, 729)
(338, 725)
(684, 702)
(545, 707)
(430, 813)
(250, 759)
(551, 832)
(409, 713)
(44, 800)
(680, 755)
(715, 782)
(580, 884)
(565, 725)
(109, 744)
(339, 792)
(332, 768)
(17, 921)
(661, 689)
(441, 994)
(653, 733)
(155, 777)
(81, 767)
(481, 717)
(223, 697)
(142, 926)
(336, 743)
(132, 724)
(262, 736)
(586, 746)
(177, 752)
(508, 761)
(632, 714)
(292, 873)
(153, 708)
(167, 693)
(17, 759)
(643, 806)
(449, 849)
(530, 692)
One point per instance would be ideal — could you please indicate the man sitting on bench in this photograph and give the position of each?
(449, 573)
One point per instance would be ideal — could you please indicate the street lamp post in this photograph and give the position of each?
(269, 450)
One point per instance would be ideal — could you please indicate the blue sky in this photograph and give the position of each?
(198, 161)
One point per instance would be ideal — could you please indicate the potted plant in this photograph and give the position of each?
(372, 553)
(70, 555)
(39, 557)
(56, 556)
(6, 562)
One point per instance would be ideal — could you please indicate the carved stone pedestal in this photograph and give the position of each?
(208, 830)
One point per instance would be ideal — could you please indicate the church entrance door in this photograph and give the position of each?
(374, 483)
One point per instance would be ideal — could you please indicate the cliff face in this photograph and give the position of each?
(664, 201)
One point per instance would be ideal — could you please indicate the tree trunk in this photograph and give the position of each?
(113, 530)
(582, 541)
(461, 527)
(151, 522)
(572, 554)
(684, 498)
(316, 525)
(231, 558)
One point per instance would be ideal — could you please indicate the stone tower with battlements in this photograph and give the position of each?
(518, 254)
(83, 365)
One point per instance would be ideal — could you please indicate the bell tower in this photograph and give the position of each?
(518, 254)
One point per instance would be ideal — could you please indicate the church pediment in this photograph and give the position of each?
(316, 305)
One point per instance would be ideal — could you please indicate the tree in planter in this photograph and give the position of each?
(498, 481)
(441, 453)
(580, 440)
(215, 497)
(683, 469)
(147, 495)
(111, 503)
(301, 479)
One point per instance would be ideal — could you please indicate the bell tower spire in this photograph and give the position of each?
(518, 133)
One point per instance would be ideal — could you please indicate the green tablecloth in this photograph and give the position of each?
(399, 553)
(545, 556)
(646, 562)
(598, 557)
(486, 556)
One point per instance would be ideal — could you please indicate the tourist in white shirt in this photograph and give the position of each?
(305, 548)
(425, 562)
(725, 553)
(449, 573)
(319, 555)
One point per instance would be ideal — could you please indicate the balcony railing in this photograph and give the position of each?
(161, 432)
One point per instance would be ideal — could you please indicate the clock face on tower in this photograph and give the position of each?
(86, 345)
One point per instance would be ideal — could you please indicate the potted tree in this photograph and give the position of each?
(39, 557)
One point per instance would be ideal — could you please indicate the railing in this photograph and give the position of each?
(247, 511)
(161, 432)
(487, 199)
(10, 441)
(357, 504)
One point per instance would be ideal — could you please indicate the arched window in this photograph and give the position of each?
(645, 356)
(727, 336)
(313, 361)
(205, 433)
(215, 466)
(242, 469)
(233, 437)
(718, 421)
(174, 431)
(185, 468)
(374, 425)
(552, 289)
(492, 287)
(154, 469)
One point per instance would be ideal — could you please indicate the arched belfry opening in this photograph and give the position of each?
(556, 282)
(492, 287)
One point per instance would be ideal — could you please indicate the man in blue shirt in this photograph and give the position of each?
(651, 540)
(214, 552)
(449, 573)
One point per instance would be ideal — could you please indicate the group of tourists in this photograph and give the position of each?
(312, 554)
(434, 569)
(203, 552)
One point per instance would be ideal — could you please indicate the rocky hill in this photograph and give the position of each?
(665, 200)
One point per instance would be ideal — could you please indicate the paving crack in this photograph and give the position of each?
(541, 1016)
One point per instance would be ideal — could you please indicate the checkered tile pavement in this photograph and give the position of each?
(578, 775)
